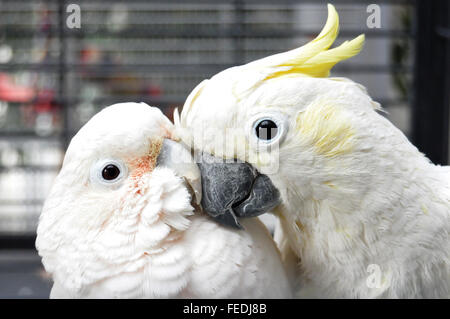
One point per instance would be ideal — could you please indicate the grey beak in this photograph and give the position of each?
(234, 190)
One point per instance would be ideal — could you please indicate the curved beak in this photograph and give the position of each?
(175, 156)
(234, 190)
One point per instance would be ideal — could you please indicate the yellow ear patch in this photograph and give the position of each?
(323, 126)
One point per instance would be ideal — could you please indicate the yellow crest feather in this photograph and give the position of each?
(314, 59)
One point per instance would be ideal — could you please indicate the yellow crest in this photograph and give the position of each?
(313, 59)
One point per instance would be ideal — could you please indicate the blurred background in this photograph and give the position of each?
(53, 78)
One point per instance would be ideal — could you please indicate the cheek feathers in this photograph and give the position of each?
(147, 163)
(324, 127)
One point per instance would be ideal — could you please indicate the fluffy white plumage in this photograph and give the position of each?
(140, 237)
(358, 197)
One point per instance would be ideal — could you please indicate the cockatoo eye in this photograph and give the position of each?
(266, 130)
(108, 172)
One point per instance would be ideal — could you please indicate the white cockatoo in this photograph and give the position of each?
(363, 213)
(118, 222)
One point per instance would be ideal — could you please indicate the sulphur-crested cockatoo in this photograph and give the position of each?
(364, 213)
(118, 222)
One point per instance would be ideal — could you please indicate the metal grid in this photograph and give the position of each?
(53, 79)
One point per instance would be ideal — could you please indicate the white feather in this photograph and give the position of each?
(142, 238)
(355, 191)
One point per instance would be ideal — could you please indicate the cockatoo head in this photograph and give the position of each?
(120, 194)
(295, 132)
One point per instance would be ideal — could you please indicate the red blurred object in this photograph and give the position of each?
(33, 102)
(90, 55)
(44, 101)
(153, 90)
(11, 92)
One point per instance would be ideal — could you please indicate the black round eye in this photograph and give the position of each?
(266, 130)
(110, 172)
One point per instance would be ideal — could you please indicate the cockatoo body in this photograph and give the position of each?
(134, 233)
(362, 210)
